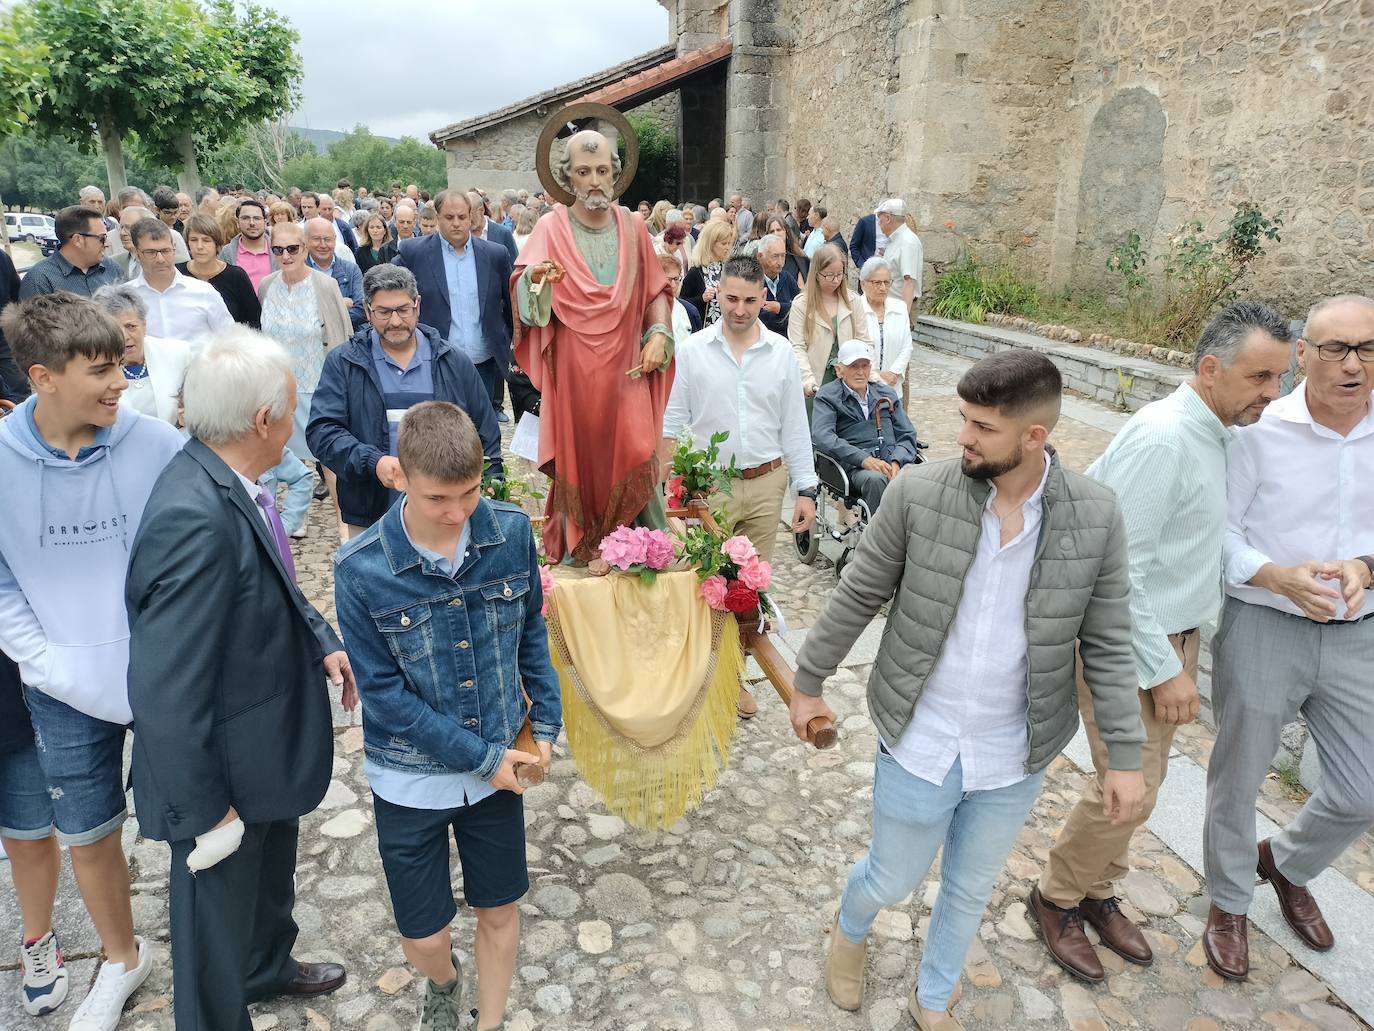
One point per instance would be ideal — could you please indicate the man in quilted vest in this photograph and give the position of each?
(997, 565)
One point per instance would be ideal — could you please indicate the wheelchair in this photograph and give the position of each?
(841, 514)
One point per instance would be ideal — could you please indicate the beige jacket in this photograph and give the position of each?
(813, 353)
(333, 311)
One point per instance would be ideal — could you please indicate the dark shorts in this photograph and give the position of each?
(414, 845)
(82, 759)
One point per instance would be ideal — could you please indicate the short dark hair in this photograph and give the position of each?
(448, 195)
(743, 266)
(223, 188)
(312, 195)
(165, 199)
(438, 439)
(73, 220)
(205, 226)
(253, 202)
(1225, 335)
(1014, 382)
(53, 329)
(148, 228)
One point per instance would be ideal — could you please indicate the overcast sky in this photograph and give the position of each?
(408, 67)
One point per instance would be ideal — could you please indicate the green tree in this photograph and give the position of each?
(367, 160)
(656, 177)
(23, 73)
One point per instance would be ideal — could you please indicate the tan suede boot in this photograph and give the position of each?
(934, 1020)
(844, 969)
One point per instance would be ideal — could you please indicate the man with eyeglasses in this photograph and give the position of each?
(369, 383)
(79, 266)
(180, 307)
(319, 245)
(1294, 636)
(249, 250)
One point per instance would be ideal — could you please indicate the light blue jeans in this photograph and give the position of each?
(912, 818)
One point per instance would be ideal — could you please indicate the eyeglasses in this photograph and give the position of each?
(1334, 352)
(885, 284)
(91, 236)
(285, 248)
(831, 277)
(386, 314)
(155, 252)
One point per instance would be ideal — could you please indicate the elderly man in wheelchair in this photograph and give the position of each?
(862, 438)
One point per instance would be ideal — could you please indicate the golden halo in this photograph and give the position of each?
(558, 121)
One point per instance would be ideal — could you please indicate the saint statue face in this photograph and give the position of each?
(591, 170)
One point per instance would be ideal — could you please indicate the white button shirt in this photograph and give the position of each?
(974, 704)
(758, 401)
(1296, 492)
(187, 310)
(907, 258)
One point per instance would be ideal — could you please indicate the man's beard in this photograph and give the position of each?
(991, 470)
(597, 201)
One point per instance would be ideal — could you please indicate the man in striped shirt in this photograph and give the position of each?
(1168, 468)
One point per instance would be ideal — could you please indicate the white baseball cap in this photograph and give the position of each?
(852, 351)
(894, 206)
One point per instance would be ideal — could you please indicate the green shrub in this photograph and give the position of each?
(973, 289)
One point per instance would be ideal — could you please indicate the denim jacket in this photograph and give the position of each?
(440, 662)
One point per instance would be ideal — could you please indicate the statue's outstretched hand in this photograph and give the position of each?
(549, 272)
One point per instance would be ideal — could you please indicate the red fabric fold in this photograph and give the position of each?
(598, 428)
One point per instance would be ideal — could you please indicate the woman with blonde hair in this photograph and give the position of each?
(228, 218)
(279, 212)
(822, 315)
(656, 222)
(708, 257)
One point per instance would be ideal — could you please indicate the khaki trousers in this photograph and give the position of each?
(1092, 854)
(756, 508)
(351, 531)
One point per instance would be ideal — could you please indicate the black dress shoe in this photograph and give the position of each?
(315, 979)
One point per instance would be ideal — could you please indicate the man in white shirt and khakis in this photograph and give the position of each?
(903, 252)
(180, 307)
(1295, 637)
(738, 376)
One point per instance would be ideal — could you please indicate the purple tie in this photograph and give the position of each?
(264, 500)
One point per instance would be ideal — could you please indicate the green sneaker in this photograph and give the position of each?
(442, 1008)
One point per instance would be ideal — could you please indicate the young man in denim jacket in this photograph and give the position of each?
(439, 605)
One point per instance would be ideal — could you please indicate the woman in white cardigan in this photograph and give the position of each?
(822, 316)
(890, 332)
(154, 366)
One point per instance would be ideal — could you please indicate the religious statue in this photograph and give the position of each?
(593, 336)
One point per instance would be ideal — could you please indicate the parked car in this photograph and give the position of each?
(25, 227)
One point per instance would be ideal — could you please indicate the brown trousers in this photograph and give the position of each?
(1091, 854)
(756, 507)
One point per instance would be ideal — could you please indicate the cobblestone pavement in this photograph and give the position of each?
(721, 923)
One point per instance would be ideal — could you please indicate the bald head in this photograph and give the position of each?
(1346, 311)
(319, 240)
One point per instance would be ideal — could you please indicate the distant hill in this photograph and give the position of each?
(322, 138)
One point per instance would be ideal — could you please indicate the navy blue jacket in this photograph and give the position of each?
(348, 430)
(497, 233)
(839, 429)
(425, 259)
(786, 293)
(863, 244)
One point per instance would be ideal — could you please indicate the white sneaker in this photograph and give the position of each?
(101, 1007)
(299, 533)
(45, 976)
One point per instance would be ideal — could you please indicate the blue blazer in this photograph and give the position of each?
(497, 233)
(863, 244)
(786, 294)
(425, 260)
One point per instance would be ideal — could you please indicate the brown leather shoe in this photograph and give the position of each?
(315, 979)
(1299, 907)
(1062, 932)
(1226, 943)
(1116, 930)
(746, 706)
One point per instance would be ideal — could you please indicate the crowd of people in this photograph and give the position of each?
(175, 363)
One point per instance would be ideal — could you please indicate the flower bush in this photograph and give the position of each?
(733, 577)
(638, 549)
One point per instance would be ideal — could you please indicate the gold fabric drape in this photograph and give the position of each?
(650, 676)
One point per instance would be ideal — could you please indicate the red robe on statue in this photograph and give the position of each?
(599, 429)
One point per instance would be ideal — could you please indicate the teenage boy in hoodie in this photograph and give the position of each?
(77, 470)
(439, 606)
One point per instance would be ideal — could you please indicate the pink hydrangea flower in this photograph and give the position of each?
(713, 589)
(658, 550)
(756, 574)
(546, 582)
(621, 548)
(739, 549)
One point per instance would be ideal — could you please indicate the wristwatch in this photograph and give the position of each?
(811, 492)
(1368, 560)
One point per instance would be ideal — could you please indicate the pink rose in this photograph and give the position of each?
(546, 582)
(739, 549)
(713, 589)
(658, 550)
(756, 574)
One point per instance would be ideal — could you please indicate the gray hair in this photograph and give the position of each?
(91, 191)
(563, 171)
(672, 216)
(1331, 302)
(872, 265)
(239, 373)
(388, 277)
(767, 240)
(1225, 335)
(132, 195)
(137, 210)
(699, 213)
(117, 298)
(509, 197)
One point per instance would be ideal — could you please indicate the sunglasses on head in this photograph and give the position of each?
(286, 248)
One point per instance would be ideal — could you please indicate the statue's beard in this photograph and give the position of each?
(594, 200)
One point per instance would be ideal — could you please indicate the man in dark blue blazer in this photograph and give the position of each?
(478, 322)
(227, 666)
(781, 287)
(489, 229)
(863, 244)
